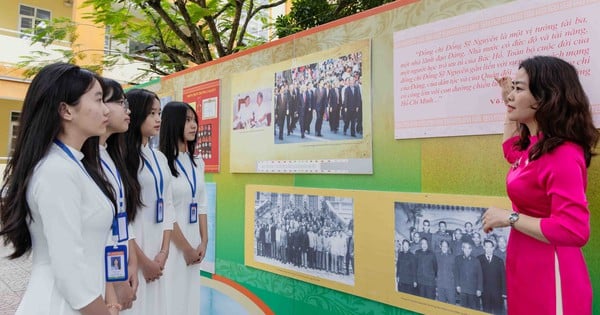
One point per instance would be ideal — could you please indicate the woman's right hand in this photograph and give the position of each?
(151, 270)
(505, 84)
(495, 218)
(134, 282)
(125, 294)
(191, 256)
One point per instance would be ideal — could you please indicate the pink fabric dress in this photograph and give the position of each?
(552, 188)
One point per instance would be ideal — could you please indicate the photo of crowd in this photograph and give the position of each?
(442, 254)
(309, 234)
(320, 101)
(252, 110)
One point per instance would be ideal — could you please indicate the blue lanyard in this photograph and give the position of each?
(70, 155)
(158, 191)
(192, 186)
(117, 178)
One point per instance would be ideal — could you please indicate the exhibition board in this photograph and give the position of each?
(465, 166)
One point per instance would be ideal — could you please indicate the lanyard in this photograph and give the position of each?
(117, 178)
(156, 186)
(70, 155)
(192, 186)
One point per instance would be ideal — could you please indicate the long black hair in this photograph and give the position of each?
(563, 112)
(40, 123)
(172, 126)
(115, 144)
(140, 105)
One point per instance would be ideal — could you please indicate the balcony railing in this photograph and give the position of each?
(20, 45)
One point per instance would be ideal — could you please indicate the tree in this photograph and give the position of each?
(58, 30)
(306, 14)
(174, 34)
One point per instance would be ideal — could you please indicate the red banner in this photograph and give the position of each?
(205, 98)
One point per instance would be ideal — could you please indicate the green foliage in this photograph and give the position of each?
(285, 25)
(306, 14)
(61, 32)
(179, 33)
(171, 35)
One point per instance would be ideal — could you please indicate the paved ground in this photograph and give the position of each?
(14, 275)
(311, 137)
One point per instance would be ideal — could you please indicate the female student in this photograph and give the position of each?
(56, 202)
(178, 135)
(154, 221)
(126, 189)
(546, 272)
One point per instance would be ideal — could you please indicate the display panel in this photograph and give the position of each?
(311, 114)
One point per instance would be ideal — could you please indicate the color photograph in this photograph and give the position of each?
(315, 115)
(320, 101)
(252, 110)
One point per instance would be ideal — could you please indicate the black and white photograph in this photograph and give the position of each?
(320, 101)
(441, 253)
(310, 234)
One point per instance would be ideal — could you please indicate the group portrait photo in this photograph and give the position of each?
(309, 234)
(320, 101)
(442, 254)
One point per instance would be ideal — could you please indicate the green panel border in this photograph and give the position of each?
(289, 296)
(471, 165)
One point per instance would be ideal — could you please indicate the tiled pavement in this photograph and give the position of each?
(14, 275)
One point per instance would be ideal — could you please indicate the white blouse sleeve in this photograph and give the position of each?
(131, 231)
(201, 188)
(56, 192)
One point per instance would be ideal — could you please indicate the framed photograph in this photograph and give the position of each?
(315, 115)
(307, 234)
(442, 254)
(412, 250)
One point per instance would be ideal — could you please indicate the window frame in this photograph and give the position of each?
(35, 20)
(13, 130)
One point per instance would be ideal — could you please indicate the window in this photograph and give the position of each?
(135, 46)
(31, 18)
(13, 131)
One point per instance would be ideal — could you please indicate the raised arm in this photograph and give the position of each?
(511, 128)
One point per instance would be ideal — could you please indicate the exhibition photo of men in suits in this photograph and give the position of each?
(494, 282)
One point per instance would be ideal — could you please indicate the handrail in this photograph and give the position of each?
(13, 33)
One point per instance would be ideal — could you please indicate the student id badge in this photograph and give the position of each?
(160, 210)
(193, 212)
(115, 263)
(120, 230)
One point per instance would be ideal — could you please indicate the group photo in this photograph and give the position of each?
(320, 101)
(309, 234)
(442, 254)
